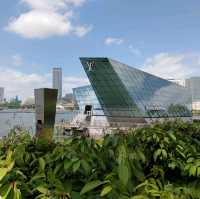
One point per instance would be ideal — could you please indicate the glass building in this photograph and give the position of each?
(193, 84)
(85, 96)
(126, 92)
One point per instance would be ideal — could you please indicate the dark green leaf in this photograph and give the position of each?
(91, 185)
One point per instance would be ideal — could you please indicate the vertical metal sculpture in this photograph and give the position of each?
(45, 112)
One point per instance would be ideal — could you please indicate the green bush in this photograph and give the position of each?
(158, 161)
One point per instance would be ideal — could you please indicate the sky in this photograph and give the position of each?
(158, 36)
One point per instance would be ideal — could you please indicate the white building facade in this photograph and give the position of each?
(57, 81)
(1, 94)
(180, 82)
(193, 84)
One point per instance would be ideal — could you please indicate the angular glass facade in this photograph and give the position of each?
(85, 96)
(123, 91)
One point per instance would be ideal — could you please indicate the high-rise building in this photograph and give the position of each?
(57, 81)
(193, 84)
(1, 94)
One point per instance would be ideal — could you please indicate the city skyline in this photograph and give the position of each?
(57, 83)
(158, 37)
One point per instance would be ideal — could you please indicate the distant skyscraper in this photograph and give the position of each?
(193, 84)
(1, 94)
(57, 81)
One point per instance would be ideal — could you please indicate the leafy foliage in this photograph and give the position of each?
(158, 161)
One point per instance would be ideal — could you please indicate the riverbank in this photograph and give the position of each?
(11, 118)
(160, 160)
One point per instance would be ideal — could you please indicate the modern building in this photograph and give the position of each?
(90, 112)
(180, 82)
(67, 102)
(57, 81)
(1, 94)
(193, 84)
(29, 102)
(125, 93)
(87, 101)
(68, 97)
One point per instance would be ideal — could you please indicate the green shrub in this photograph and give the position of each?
(158, 161)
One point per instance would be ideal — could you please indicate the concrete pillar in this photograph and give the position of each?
(45, 112)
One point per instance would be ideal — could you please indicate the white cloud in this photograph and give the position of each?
(73, 82)
(47, 18)
(176, 66)
(52, 4)
(134, 50)
(81, 31)
(112, 40)
(23, 84)
(40, 24)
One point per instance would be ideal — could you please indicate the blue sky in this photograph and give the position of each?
(159, 36)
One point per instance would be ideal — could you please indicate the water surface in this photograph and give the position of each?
(12, 118)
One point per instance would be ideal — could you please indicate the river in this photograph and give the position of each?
(12, 118)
